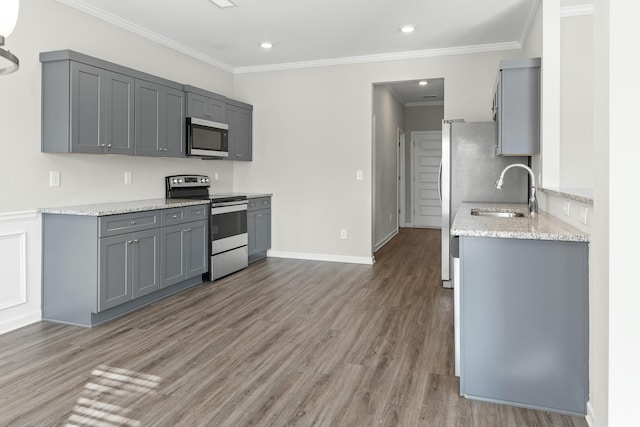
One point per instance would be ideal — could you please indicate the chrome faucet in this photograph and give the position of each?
(533, 201)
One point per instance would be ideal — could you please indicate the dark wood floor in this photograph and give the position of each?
(282, 343)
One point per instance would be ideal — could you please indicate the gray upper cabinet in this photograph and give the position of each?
(205, 105)
(119, 128)
(516, 107)
(94, 106)
(159, 120)
(240, 119)
(86, 109)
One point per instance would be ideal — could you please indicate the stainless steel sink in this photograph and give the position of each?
(497, 213)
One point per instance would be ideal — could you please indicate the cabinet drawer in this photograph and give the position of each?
(197, 213)
(112, 225)
(259, 203)
(173, 216)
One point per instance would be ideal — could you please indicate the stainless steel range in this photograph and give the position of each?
(227, 226)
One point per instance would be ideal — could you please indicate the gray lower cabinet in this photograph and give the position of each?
(97, 268)
(159, 120)
(129, 267)
(184, 251)
(516, 107)
(259, 227)
(239, 116)
(524, 323)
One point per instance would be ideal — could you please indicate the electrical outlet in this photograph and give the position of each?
(390, 217)
(567, 209)
(54, 179)
(127, 177)
(216, 176)
(584, 216)
(359, 175)
(343, 233)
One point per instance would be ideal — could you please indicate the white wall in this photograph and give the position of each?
(312, 131)
(45, 25)
(621, 121)
(389, 113)
(20, 269)
(576, 102)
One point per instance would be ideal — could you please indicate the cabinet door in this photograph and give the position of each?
(173, 129)
(216, 110)
(259, 231)
(87, 108)
(244, 137)
(173, 255)
(147, 118)
(231, 117)
(119, 133)
(263, 230)
(197, 248)
(114, 285)
(145, 262)
(197, 106)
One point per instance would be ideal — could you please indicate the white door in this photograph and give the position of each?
(427, 153)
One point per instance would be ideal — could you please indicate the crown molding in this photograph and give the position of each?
(568, 11)
(143, 32)
(415, 54)
(532, 16)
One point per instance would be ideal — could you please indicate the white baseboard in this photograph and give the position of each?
(10, 324)
(321, 257)
(590, 418)
(384, 241)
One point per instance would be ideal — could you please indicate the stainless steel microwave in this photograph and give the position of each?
(206, 138)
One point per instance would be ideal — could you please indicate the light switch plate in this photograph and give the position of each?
(54, 179)
(359, 175)
(343, 233)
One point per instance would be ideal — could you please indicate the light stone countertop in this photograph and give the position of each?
(541, 227)
(103, 209)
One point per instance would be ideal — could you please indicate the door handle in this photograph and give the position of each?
(440, 182)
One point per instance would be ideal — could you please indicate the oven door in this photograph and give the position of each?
(228, 226)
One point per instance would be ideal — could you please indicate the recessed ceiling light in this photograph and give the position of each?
(266, 45)
(407, 28)
(223, 3)
(423, 82)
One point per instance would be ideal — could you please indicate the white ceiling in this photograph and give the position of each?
(319, 31)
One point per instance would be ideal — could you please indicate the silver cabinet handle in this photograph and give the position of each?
(174, 216)
(136, 240)
(259, 216)
(265, 202)
(129, 242)
(133, 223)
(108, 145)
(186, 230)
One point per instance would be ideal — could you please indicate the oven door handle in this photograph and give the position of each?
(221, 204)
(227, 209)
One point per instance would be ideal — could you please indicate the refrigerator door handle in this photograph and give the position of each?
(440, 182)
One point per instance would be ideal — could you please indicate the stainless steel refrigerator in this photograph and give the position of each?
(469, 170)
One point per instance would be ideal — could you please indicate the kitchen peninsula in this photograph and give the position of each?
(524, 302)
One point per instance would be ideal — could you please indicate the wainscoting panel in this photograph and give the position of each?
(20, 270)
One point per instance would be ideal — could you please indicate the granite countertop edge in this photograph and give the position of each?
(542, 227)
(115, 208)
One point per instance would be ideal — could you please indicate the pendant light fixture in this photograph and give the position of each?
(8, 17)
